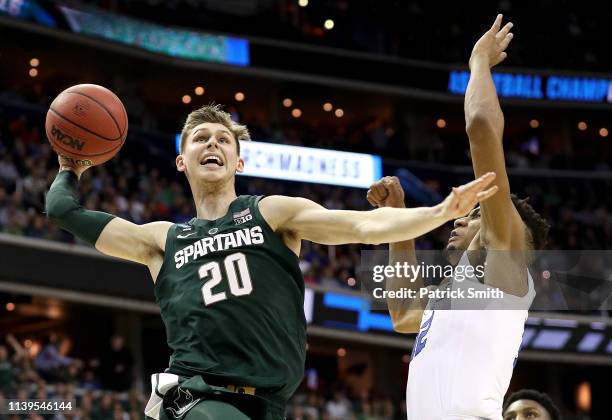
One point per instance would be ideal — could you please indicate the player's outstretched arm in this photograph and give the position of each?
(501, 225)
(109, 234)
(308, 220)
(406, 315)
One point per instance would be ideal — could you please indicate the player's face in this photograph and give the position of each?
(464, 232)
(526, 410)
(210, 154)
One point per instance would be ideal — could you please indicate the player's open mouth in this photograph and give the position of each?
(211, 160)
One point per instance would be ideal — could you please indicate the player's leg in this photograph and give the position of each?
(213, 410)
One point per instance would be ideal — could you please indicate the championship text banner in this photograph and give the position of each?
(307, 164)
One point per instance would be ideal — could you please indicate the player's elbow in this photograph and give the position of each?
(369, 233)
(482, 121)
(57, 205)
(406, 322)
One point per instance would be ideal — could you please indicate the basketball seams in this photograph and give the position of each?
(103, 107)
(126, 120)
(84, 128)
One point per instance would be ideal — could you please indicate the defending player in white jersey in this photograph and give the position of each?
(462, 360)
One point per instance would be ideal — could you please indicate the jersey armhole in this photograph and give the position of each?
(267, 226)
(258, 214)
(167, 250)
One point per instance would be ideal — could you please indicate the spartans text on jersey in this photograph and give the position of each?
(219, 242)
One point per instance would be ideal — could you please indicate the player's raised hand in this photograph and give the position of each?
(462, 199)
(68, 164)
(387, 192)
(492, 45)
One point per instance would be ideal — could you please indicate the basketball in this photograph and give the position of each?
(87, 124)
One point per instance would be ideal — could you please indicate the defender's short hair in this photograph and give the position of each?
(539, 397)
(537, 225)
(214, 113)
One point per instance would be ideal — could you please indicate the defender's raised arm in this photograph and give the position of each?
(502, 227)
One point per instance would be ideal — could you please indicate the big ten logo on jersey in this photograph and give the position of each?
(242, 216)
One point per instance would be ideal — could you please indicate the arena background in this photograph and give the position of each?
(377, 77)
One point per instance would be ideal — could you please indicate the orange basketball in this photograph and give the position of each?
(87, 124)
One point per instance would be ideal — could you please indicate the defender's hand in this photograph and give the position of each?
(387, 192)
(463, 199)
(67, 164)
(492, 45)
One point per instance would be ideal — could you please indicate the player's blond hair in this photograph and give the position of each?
(214, 113)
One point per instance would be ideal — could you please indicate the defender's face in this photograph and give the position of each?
(466, 229)
(526, 410)
(210, 154)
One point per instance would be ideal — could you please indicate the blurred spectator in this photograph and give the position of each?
(7, 370)
(116, 366)
(339, 408)
(49, 361)
(103, 409)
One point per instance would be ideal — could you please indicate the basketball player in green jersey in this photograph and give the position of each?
(228, 282)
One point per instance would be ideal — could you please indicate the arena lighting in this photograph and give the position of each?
(441, 123)
(199, 91)
(341, 352)
(309, 298)
(33, 72)
(34, 62)
(303, 3)
(603, 132)
(590, 342)
(551, 339)
(287, 102)
(583, 397)
(582, 126)
(296, 112)
(327, 106)
(528, 335)
(329, 24)
(565, 323)
(10, 306)
(534, 123)
(186, 99)
(339, 112)
(351, 281)
(239, 96)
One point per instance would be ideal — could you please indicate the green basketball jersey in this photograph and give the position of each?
(231, 296)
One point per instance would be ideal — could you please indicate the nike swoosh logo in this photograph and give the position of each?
(186, 236)
(183, 410)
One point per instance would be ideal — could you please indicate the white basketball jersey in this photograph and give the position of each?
(462, 360)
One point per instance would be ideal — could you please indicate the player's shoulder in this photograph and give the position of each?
(278, 209)
(162, 226)
(158, 231)
(286, 201)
